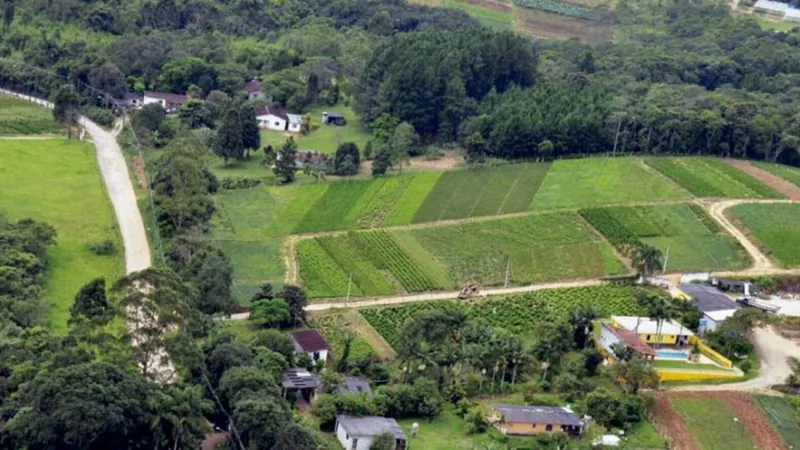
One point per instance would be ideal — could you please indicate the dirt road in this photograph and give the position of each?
(773, 350)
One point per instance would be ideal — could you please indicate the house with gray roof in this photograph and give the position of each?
(525, 420)
(301, 382)
(355, 385)
(715, 305)
(357, 433)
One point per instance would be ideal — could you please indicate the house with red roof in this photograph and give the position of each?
(311, 343)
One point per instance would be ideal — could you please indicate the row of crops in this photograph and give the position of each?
(557, 7)
(520, 313)
(384, 252)
(711, 177)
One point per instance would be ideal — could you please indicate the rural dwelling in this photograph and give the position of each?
(130, 100)
(672, 333)
(333, 118)
(792, 15)
(253, 90)
(357, 433)
(355, 385)
(610, 335)
(771, 7)
(301, 382)
(530, 420)
(715, 306)
(170, 102)
(312, 343)
(295, 122)
(737, 286)
(272, 118)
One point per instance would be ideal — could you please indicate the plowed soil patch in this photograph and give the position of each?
(671, 425)
(489, 4)
(786, 188)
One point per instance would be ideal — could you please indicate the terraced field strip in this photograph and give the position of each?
(786, 188)
(321, 275)
(774, 228)
(685, 232)
(671, 425)
(711, 177)
(788, 173)
(385, 254)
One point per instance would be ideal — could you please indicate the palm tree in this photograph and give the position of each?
(621, 351)
(179, 416)
(646, 259)
(582, 320)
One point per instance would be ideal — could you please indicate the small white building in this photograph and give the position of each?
(170, 102)
(357, 433)
(312, 343)
(272, 118)
(295, 122)
(713, 303)
(253, 90)
(792, 15)
(771, 7)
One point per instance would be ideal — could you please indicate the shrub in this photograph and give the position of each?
(102, 248)
(101, 116)
(232, 183)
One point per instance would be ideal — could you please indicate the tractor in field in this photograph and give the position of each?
(469, 291)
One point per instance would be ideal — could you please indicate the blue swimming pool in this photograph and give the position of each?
(671, 354)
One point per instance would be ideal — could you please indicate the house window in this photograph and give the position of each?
(548, 428)
(277, 124)
(533, 426)
(354, 446)
(316, 356)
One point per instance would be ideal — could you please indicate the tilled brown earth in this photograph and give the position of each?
(786, 188)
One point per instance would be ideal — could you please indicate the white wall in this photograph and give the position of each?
(323, 355)
(707, 324)
(271, 122)
(347, 441)
(607, 339)
(147, 100)
(294, 127)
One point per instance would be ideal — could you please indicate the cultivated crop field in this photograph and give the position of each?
(602, 181)
(788, 173)
(519, 314)
(558, 7)
(783, 417)
(493, 14)
(776, 227)
(712, 425)
(58, 182)
(692, 238)
(711, 177)
(20, 117)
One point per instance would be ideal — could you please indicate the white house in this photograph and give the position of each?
(253, 90)
(357, 433)
(170, 102)
(272, 118)
(312, 343)
(295, 122)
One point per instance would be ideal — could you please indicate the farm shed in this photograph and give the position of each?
(357, 433)
(302, 382)
(771, 7)
(312, 343)
(355, 385)
(531, 420)
(672, 332)
(715, 306)
(170, 102)
(333, 118)
(610, 335)
(730, 285)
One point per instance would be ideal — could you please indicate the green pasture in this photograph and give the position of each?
(602, 181)
(326, 138)
(20, 117)
(58, 182)
(788, 173)
(776, 227)
(686, 236)
(783, 416)
(712, 424)
(711, 177)
(499, 20)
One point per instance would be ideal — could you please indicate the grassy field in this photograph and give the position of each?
(711, 177)
(501, 17)
(693, 240)
(325, 138)
(19, 117)
(776, 227)
(712, 424)
(783, 416)
(602, 181)
(676, 364)
(788, 173)
(58, 182)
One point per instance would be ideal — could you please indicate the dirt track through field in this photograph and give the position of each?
(671, 425)
(786, 188)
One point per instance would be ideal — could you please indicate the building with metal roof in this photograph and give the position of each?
(355, 385)
(708, 298)
(357, 433)
(531, 420)
(771, 7)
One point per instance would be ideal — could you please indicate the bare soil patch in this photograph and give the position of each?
(786, 188)
(450, 160)
(494, 5)
(138, 170)
(549, 26)
(671, 425)
(751, 417)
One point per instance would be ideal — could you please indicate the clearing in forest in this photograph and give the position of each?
(589, 182)
(684, 233)
(21, 117)
(57, 181)
(775, 227)
(711, 177)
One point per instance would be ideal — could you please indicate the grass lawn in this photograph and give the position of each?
(578, 183)
(325, 138)
(711, 177)
(783, 416)
(499, 20)
(712, 425)
(774, 24)
(58, 182)
(788, 173)
(693, 240)
(776, 227)
(20, 117)
(676, 364)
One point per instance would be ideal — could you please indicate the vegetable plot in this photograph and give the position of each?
(384, 253)
(564, 9)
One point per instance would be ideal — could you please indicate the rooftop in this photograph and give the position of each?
(295, 118)
(555, 415)
(720, 315)
(355, 385)
(252, 86)
(632, 340)
(332, 114)
(708, 298)
(167, 97)
(309, 341)
(645, 325)
(370, 426)
(271, 110)
(299, 378)
(771, 5)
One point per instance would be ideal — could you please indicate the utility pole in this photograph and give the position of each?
(508, 268)
(616, 136)
(666, 259)
(349, 284)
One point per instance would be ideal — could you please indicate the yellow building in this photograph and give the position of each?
(669, 333)
(524, 420)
